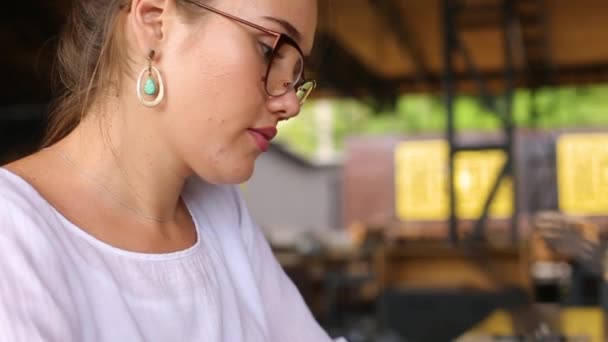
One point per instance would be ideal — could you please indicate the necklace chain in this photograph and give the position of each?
(112, 194)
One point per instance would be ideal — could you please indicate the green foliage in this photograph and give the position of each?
(299, 135)
(421, 113)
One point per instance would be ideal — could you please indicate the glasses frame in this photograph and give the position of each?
(301, 84)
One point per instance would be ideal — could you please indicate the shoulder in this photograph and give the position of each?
(22, 184)
(31, 269)
(30, 238)
(24, 215)
(17, 197)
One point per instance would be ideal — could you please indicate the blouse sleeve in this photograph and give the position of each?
(289, 317)
(28, 310)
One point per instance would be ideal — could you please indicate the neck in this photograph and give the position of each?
(123, 152)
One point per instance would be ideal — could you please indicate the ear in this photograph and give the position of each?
(146, 20)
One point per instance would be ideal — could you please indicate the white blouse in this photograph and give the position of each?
(58, 283)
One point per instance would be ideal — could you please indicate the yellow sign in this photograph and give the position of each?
(421, 177)
(582, 174)
(577, 323)
(583, 324)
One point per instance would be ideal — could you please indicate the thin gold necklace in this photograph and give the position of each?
(112, 194)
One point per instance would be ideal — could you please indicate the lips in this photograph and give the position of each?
(268, 132)
(263, 136)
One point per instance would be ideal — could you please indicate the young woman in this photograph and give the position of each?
(126, 226)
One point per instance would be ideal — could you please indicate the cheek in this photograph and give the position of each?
(232, 162)
(213, 96)
(222, 62)
(212, 140)
(223, 81)
(212, 149)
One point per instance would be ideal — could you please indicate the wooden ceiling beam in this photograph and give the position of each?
(560, 76)
(391, 10)
(343, 73)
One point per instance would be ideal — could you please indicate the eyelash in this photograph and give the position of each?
(266, 51)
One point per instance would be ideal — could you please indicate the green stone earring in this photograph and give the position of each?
(150, 87)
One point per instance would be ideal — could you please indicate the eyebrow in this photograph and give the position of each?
(291, 30)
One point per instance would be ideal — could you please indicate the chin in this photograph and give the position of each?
(234, 175)
(240, 178)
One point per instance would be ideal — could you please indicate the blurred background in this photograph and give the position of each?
(449, 179)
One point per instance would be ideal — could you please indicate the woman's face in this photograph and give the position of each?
(215, 99)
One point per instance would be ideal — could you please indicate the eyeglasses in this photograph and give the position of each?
(285, 71)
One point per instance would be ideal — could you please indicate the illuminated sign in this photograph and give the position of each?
(421, 180)
(582, 174)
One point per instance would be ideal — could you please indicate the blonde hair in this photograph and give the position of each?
(90, 57)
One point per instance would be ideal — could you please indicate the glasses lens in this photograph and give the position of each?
(285, 70)
(304, 90)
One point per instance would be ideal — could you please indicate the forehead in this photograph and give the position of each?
(301, 14)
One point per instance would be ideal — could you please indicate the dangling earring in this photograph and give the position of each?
(151, 87)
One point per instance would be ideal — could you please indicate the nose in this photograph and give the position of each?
(285, 106)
